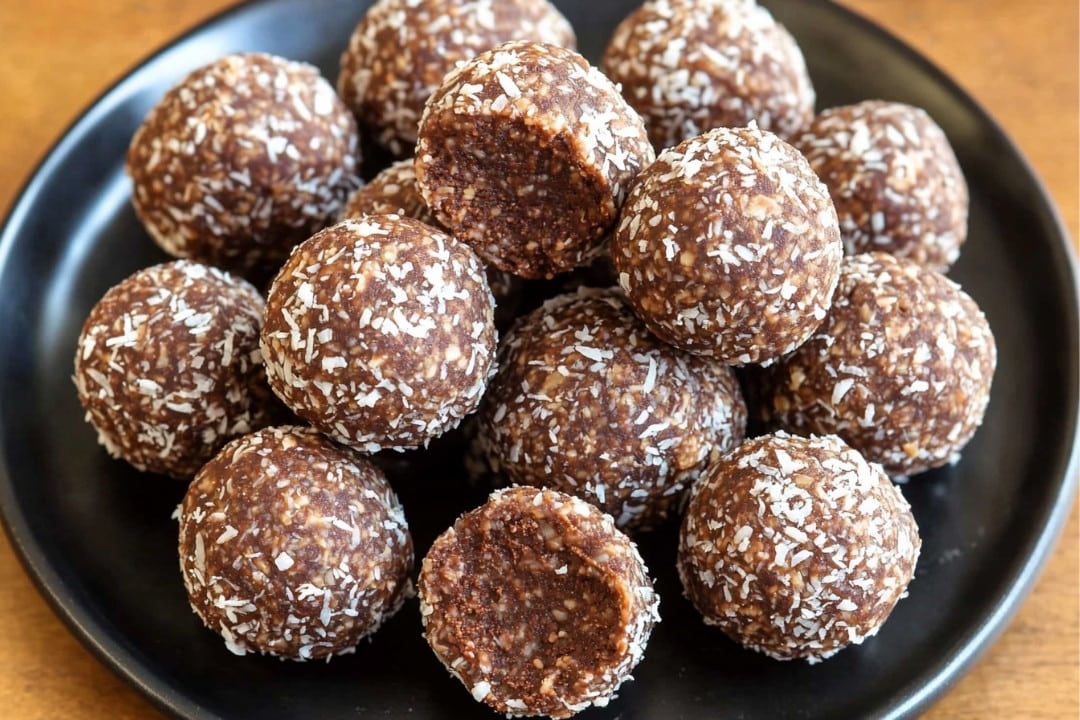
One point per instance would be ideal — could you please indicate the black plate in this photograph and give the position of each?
(97, 537)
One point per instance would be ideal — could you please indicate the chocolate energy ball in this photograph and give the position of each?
(537, 603)
(526, 152)
(894, 179)
(693, 65)
(900, 369)
(796, 547)
(586, 401)
(168, 367)
(379, 332)
(401, 50)
(292, 545)
(728, 246)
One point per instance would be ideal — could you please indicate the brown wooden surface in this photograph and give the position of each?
(1019, 59)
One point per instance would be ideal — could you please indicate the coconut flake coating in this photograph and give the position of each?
(401, 50)
(728, 246)
(526, 152)
(537, 603)
(894, 178)
(293, 546)
(168, 367)
(796, 547)
(241, 160)
(587, 402)
(689, 66)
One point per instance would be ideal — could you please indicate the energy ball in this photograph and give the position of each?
(526, 152)
(689, 66)
(901, 368)
(894, 178)
(293, 546)
(587, 402)
(401, 50)
(728, 246)
(168, 367)
(537, 603)
(379, 332)
(242, 160)
(796, 547)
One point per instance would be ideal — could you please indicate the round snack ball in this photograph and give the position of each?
(526, 152)
(894, 178)
(900, 369)
(379, 332)
(401, 50)
(689, 66)
(242, 160)
(728, 246)
(537, 603)
(168, 367)
(293, 546)
(586, 401)
(796, 547)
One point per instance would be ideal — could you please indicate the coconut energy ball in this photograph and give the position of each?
(168, 366)
(526, 152)
(728, 246)
(379, 332)
(401, 50)
(894, 178)
(796, 547)
(689, 66)
(901, 368)
(293, 546)
(242, 160)
(537, 603)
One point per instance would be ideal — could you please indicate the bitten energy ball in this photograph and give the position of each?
(526, 152)
(796, 547)
(586, 401)
(379, 332)
(693, 65)
(401, 50)
(900, 369)
(168, 366)
(894, 178)
(537, 603)
(291, 545)
(241, 160)
(728, 246)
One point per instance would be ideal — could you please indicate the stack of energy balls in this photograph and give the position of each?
(741, 233)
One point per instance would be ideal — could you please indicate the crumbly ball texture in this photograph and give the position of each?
(728, 246)
(894, 178)
(901, 368)
(586, 401)
(401, 50)
(168, 366)
(689, 66)
(796, 547)
(526, 152)
(537, 603)
(293, 546)
(379, 332)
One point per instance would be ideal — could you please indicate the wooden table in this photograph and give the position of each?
(1018, 59)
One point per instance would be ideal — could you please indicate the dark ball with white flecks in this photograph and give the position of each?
(689, 66)
(796, 547)
(242, 160)
(526, 152)
(293, 546)
(379, 332)
(401, 50)
(728, 246)
(168, 367)
(894, 178)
